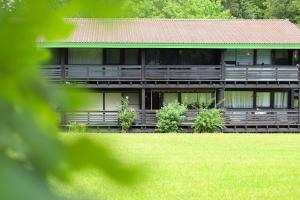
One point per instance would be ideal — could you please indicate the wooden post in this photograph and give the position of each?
(220, 100)
(63, 62)
(222, 65)
(143, 106)
(292, 99)
(143, 64)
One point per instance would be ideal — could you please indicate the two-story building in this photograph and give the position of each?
(250, 68)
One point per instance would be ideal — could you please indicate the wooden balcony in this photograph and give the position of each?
(232, 118)
(171, 73)
(262, 73)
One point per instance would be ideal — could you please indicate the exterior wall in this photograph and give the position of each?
(174, 80)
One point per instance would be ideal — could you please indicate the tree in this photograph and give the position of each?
(177, 9)
(283, 9)
(30, 148)
(246, 9)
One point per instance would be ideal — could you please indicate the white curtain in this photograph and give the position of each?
(263, 99)
(280, 100)
(238, 99)
(202, 98)
(83, 56)
(170, 98)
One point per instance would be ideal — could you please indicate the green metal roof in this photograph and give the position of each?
(165, 45)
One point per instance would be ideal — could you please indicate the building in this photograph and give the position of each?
(248, 67)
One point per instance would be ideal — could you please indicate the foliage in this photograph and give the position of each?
(177, 9)
(264, 9)
(209, 120)
(126, 116)
(30, 148)
(77, 127)
(170, 117)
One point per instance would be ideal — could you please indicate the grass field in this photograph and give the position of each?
(194, 166)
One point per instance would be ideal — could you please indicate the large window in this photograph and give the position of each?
(280, 99)
(131, 56)
(78, 56)
(133, 99)
(200, 57)
(170, 98)
(263, 57)
(281, 57)
(113, 56)
(55, 57)
(239, 56)
(238, 99)
(263, 99)
(198, 100)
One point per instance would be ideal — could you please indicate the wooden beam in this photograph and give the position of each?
(143, 64)
(143, 106)
(299, 106)
(63, 62)
(220, 98)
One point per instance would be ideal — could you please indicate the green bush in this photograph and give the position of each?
(209, 121)
(170, 117)
(126, 117)
(77, 127)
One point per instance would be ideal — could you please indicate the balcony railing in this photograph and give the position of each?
(172, 72)
(236, 117)
(262, 73)
(183, 72)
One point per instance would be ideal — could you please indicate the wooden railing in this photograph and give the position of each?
(52, 72)
(236, 117)
(183, 72)
(261, 117)
(172, 72)
(263, 73)
(98, 72)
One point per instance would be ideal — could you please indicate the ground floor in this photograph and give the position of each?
(265, 110)
(195, 166)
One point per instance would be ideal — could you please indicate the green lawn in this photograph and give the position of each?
(194, 166)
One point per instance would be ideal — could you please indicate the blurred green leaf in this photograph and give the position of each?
(30, 149)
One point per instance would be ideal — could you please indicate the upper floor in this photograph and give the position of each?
(124, 64)
(176, 51)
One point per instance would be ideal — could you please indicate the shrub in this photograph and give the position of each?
(170, 117)
(209, 121)
(77, 127)
(126, 117)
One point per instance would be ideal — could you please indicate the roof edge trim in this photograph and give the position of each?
(166, 45)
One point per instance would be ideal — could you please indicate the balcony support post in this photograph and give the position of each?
(143, 64)
(143, 119)
(63, 62)
(220, 98)
(222, 65)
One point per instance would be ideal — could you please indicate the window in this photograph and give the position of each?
(170, 98)
(280, 99)
(238, 99)
(263, 56)
(239, 56)
(168, 57)
(263, 99)
(197, 100)
(113, 56)
(95, 101)
(113, 101)
(200, 57)
(133, 99)
(281, 57)
(131, 56)
(152, 57)
(55, 57)
(85, 56)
